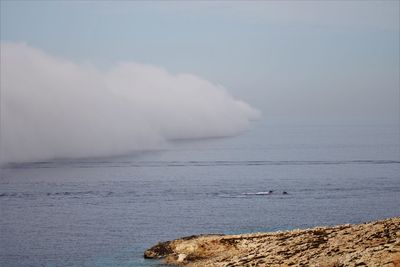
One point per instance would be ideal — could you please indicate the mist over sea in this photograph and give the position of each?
(107, 211)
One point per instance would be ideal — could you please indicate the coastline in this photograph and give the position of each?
(369, 244)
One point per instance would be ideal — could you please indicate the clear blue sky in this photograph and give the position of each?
(300, 61)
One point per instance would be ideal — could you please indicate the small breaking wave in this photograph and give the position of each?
(258, 193)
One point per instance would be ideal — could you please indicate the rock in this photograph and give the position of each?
(181, 257)
(370, 244)
(160, 250)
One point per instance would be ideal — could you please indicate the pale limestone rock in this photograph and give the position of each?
(181, 257)
(370, 244)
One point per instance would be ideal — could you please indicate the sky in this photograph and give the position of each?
(170, 70)
(300, 61)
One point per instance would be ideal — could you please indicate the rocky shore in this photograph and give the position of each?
(369, 244)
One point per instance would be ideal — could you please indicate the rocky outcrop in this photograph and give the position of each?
(370, 244)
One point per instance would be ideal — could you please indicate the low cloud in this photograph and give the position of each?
(54, 108)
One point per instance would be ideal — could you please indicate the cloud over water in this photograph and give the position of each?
(54, 108)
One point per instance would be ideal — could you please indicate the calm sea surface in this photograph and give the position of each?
(107, 211)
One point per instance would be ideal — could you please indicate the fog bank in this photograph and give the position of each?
(55, 108)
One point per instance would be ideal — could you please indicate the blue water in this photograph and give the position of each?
(107, 211)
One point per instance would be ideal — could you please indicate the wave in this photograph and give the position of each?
(149, 164)
(56, 194)
(259, 193)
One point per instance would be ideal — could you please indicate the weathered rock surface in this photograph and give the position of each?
(370, 244)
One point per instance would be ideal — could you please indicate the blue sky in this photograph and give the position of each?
(299, 61)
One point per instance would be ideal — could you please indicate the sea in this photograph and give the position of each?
(107, 211)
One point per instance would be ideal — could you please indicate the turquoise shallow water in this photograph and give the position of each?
(107, 211)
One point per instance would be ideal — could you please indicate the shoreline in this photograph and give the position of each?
(374, 243)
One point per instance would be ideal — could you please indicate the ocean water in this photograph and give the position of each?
(107, 211)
